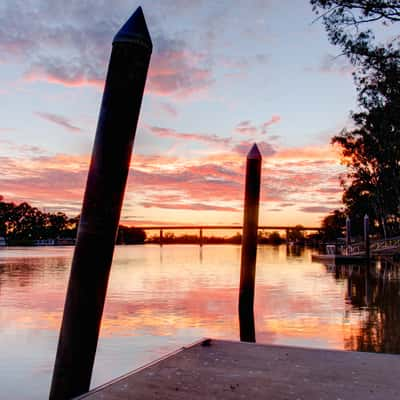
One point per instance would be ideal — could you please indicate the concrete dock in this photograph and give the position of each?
(216, 369)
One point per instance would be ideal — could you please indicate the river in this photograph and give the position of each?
(161, 298)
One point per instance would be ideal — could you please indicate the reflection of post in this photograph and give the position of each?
(101, 209)
(249, 246)
(201, 237)
(348, 234)
(349, 288)
(366, 236)
(161, 239)
(367, 286)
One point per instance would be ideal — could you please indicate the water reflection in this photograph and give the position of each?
(374, 293)
(161, 298)
(294, 251)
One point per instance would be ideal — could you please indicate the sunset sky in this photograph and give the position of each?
(223, 75)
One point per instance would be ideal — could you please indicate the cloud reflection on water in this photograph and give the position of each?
(162, 298)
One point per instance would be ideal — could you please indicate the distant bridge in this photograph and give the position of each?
(229, 227)
(201, 228)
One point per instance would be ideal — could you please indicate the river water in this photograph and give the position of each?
(161, 298)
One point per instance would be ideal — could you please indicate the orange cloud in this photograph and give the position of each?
(308, 153)
(306, 177)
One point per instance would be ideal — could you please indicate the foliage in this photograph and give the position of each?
(130, 235)
(171, 238)
(344, 20)
(334, 225)
(22, 223)
(275, 238)
(371, 149)
(296, 234)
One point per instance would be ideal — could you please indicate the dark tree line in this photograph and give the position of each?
(24, 223)
(130, 235)
(371, 149)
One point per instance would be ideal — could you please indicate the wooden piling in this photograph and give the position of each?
(249, 245)
(101, 209)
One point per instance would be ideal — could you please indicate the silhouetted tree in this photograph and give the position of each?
(350, 21)
(296, 234)
(371, 150)
(334, 224)
(130, 235)
(23, 222)
(275, 238)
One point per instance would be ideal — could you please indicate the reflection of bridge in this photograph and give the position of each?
(201, 228)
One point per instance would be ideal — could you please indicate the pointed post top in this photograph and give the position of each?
(254, 153)
(347, 219)
(366, 216)
(135, 31)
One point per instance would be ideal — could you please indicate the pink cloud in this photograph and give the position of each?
(169, 109)
(306, 177)
(316, 209)
(174, 70)
(274, 120)
(190, 206)
(78, 80)
(58, 120)
(266, 149)
(202, 137)
(248, 128)
(21, 149)
(177, 72)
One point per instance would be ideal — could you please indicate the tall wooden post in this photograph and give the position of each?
(249, 245)
(101, 209)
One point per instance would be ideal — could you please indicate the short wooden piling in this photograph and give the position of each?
(161, 238)
(101, 209)
(249, 245)
(201, 237)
